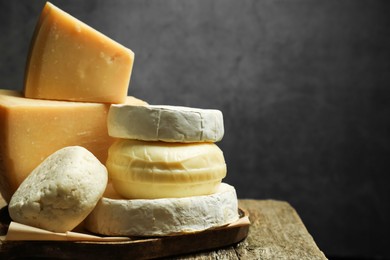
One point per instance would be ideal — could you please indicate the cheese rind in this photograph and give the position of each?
(164, 217)
(165, 123)
(69, 60)
(32, 129)
(61, 191)
(149, 170)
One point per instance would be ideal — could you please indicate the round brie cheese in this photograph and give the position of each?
(61, 191)
(165, 123)
(150, 170)
(164, 217)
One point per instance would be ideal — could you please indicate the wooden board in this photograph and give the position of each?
(276, 232)
(137, 248)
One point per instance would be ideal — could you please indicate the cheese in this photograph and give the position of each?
(61, 191)
(31, 130)
(69, 60)
(149, 170)
(165, 123)
(164, 217)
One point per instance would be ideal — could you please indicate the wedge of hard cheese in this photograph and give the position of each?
(164, 217)
(165, 123)
(150, 170)
(32, 129)
(69, 60)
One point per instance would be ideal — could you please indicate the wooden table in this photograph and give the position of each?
(276, 232)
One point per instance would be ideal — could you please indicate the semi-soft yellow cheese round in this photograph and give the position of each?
(61, 191)
(165, 123)
(164, 217)
(149, 170)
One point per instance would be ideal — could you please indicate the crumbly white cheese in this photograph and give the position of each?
(150, 170)
(165, 123)
(61, 191)
(164, 217)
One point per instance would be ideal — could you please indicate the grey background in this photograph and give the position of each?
(303, 85)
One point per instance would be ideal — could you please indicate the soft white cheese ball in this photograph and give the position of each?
(150, 170)
(165, 123)
(61, 191)
(163, 217)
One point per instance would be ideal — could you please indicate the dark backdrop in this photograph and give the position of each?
(303, 85)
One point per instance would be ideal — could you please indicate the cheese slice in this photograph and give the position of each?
(164, 217)
(165, 123)
(69, 60)
(149, 170)
(32, 129)
(61, 191)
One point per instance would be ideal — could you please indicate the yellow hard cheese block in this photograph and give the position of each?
(31, 130)
(150, 170)
(69, 60)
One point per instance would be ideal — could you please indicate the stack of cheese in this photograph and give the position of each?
(168, 170)
(75, 116)
(68, 62)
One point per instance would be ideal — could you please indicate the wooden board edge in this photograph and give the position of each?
(142, 248)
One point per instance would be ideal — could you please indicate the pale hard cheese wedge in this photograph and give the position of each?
(149, 170)
(31, 130)
(164, 217)
(61, 191)
(165, 123)
(69, 60)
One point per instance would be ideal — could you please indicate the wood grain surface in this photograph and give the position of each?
(276, 232)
